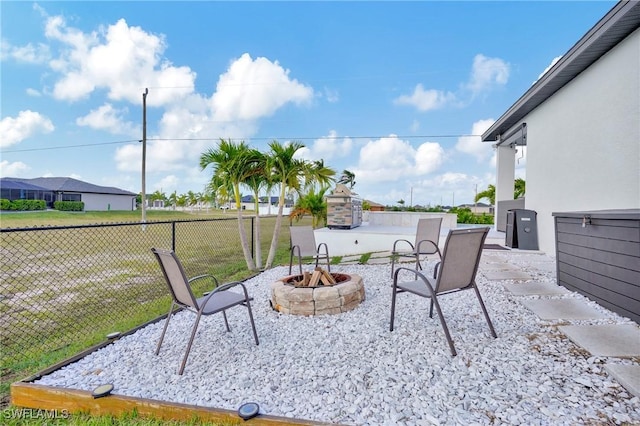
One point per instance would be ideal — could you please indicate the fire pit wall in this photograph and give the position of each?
(334, 299)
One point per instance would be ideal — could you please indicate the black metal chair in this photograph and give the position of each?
(219, 299)
(456, 272)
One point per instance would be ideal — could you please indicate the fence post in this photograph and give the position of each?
(173, 236)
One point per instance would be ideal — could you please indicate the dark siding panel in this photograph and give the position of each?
(601, 259)
(603, 269)
(613, 301)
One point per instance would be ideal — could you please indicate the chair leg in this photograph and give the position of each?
(164, 330)
(444, 326)
(484, 310)
(253, 325)
(393, 306)
(226, 323)
(193, 335)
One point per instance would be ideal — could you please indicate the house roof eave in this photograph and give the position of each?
(622, 20)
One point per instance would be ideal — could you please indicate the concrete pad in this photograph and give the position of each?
(378, 260)
(627, 375)
(535, 288)
(346, 259)
(549, 309)
(505, 275)
(498, 266)
(619, 340)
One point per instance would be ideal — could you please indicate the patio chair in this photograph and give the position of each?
(219, 299)
(303, 244)
(456, 272)
(426, 243)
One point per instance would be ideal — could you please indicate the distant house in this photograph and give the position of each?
(375, 207)
(580, 123)
(51, 189)
(479, 208)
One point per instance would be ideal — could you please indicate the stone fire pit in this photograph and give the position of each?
(346, 294)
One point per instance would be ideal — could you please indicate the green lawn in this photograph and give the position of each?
(233, 266)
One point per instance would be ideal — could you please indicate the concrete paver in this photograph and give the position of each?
(535, 288)
(515, 275)
(615, 340)
(550, 309)
(627, 375)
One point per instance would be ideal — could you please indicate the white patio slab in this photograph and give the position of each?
(549, 309)
(516, 275)
(535, 288)
(627, 375)
(498, 266)
(617, 340)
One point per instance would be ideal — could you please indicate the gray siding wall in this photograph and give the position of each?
(601, 259)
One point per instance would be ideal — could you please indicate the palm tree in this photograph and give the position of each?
(233, 164)
(348, 178)
(257, 180)
(489, 194)
(312, 203)
(291, 174)
(519, 188)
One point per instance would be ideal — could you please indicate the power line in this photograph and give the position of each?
(218, 138)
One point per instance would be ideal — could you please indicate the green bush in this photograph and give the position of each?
(465, 215)
(69, 206)
(22, 205)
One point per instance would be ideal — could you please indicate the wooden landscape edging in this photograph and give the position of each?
(26, 394)
(30, 395)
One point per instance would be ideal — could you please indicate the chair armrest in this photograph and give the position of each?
(225, 287)
(199, 277)
(326, 248)
(421, 243)
(402, 241)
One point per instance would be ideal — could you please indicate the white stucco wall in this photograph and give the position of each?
(583, 144)
(103, 202)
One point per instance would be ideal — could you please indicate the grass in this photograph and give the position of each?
(94, 246)
(35, 417)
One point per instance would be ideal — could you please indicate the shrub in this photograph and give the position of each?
(69, 206)
(22, 205)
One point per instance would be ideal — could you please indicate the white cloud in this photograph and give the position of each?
(252, 89)
(110, 119)
(25, 125)
(426, 100)
(121, 59)
(15, 169)
(327, 148)
(487, 73)
(33, 92)
(473, 145)
(29, 53)
(553, 62)
(331, 95)
(391, 159)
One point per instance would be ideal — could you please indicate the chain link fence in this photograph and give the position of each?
(71, 285)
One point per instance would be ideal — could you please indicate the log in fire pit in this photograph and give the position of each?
(317, 293)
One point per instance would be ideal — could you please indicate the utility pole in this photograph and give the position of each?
(144, 154)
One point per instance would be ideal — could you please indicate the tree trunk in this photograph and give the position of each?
(276, 230)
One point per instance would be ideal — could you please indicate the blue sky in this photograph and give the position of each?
(392, 91)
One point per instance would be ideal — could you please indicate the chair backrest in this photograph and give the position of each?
(460, 258)
(428, 229)
(302, 236)
(176, 278)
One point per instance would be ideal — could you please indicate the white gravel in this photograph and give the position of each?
(350, 369)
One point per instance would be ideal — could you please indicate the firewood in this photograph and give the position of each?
(329, 278)
(315, 278)
(306, 278)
